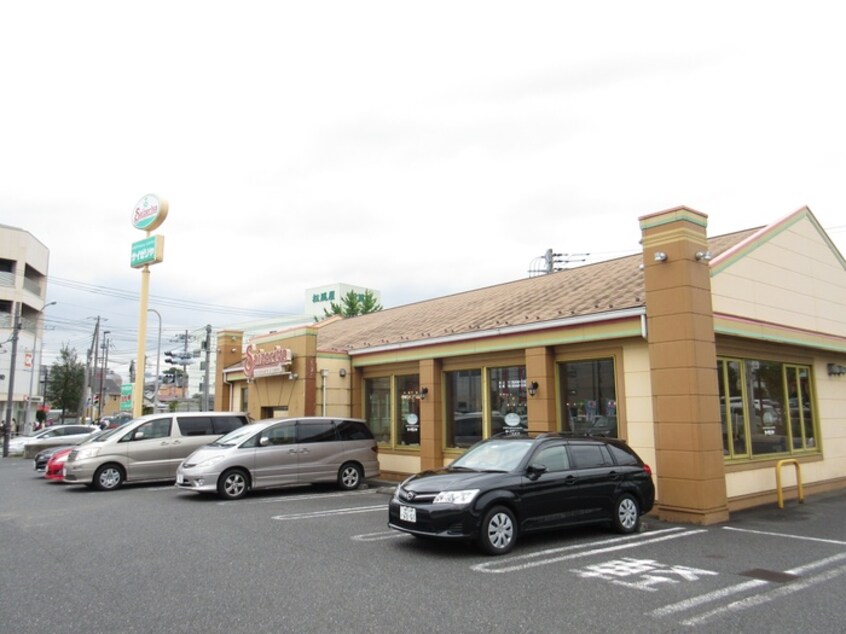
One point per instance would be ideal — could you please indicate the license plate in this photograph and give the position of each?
(408, 514)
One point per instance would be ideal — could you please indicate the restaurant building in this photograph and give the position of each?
(716, 358)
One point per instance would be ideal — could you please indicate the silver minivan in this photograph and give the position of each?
(272, 453)
(146, 449)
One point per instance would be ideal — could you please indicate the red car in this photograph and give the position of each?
(56, 464)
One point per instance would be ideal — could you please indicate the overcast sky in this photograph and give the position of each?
(420, 149)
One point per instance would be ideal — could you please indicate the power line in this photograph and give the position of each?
(169, 302)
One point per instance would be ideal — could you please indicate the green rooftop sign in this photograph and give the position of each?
(147, 251)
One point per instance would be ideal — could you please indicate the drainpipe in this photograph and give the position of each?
(325, 374)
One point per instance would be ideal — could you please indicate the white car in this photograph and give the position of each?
(51, 436)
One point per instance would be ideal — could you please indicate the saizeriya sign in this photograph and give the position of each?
(259, 363)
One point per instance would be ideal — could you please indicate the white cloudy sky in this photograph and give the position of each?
(416, 148)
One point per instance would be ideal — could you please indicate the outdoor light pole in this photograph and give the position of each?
(158, 359)
(28, 424)
(103, 374)
(16, 329)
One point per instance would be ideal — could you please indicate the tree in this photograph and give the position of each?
(67, 378)
(353, 304)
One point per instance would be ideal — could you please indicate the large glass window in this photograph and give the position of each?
(589, 397)
(801, 411)
(766, 408)
(377, 407)
(508, 399)
(463, 408)
(408, 410)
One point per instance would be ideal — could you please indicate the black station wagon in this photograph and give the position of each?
(508, 485)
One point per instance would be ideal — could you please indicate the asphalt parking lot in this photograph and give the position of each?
(150, 558)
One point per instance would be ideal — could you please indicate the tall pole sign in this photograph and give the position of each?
(148, 215)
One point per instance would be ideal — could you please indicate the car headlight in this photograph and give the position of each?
(84, 453)
(209, 462)
(459, 498)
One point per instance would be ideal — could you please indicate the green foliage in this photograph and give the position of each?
(353, 304)
(67, 378)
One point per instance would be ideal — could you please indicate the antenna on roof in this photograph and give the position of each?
(549, 261)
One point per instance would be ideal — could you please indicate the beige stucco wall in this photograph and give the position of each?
(640, 428)
(794, 278)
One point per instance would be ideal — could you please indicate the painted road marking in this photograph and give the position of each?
(757, 584)
(647, 573)
(376, 537)
(777, 593)
(554, 555)
(787, 536)
(329, 513)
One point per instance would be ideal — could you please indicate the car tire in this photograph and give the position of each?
(233, 484)
(350, 477)
(498, 532)
(626, 518)
(108, 477)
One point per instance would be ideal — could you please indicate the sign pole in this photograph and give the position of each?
(141, 352)
(149, 213)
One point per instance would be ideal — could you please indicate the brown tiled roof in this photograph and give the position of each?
(612, 285)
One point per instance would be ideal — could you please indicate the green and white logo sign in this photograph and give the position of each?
(149, 213)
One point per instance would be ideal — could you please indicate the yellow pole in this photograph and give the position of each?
(141, 353)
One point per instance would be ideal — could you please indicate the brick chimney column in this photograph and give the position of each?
(683, 359)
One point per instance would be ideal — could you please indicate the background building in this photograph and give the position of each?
(23, 288)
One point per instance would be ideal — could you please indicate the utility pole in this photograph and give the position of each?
(88, 381)
(16, 329)
(207, 346)
(101, 394)
(184, 371)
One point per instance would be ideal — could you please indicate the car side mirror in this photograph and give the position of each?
(264, 441)
(138, 435)
(535, 471)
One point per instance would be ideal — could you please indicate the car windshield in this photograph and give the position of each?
(235, 437)
(107, 434)
(493, 455)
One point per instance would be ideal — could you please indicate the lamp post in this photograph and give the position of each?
(35, 355)
(103, 371)
(16, 328)
(155, 398)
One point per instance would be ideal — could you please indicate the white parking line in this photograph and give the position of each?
(551, 556)
(377, 537)
(787, 536)
(760, 599)
(314, 496)
(329, 513)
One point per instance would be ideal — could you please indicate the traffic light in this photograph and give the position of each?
(169, 356)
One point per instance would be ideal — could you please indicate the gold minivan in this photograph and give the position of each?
(146, 449)
(281, 452)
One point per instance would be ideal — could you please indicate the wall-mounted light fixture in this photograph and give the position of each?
(533, 388)
(703, 256)
(660, 256)
(293, 376)
(835, 369)
(342, 372)
(424, 392)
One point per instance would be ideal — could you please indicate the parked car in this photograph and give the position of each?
(508, 485)
(273, 453)
(39, 463)
(56, 464)
(146, 449)
(49, 437)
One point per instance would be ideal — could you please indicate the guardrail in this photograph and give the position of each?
(779, 492)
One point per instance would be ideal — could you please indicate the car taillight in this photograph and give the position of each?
(375, 448)
(647, 469)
